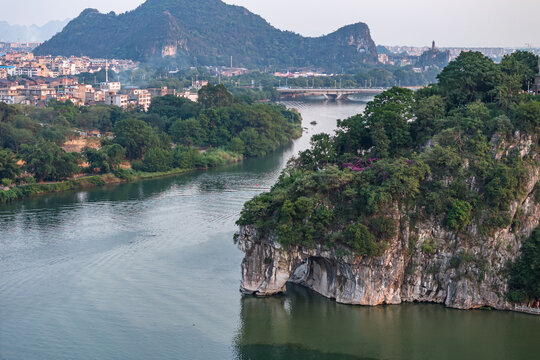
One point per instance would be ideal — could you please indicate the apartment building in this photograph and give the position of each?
(141, 97)
(120, 100)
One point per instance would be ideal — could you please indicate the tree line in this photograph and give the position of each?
(176, 133)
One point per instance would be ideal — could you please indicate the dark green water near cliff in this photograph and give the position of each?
(148, 270)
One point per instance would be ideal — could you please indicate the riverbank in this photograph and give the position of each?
(70, 261)
(88, 182)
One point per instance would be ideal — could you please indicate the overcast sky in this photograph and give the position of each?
(511, 23)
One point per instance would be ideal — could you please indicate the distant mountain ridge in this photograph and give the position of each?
(32, 33)
(207, 32)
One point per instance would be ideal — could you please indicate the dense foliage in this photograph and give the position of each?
(439, 154)
(525, 272)
(217, 120)
(175, 134)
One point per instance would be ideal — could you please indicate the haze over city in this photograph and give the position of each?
(392, 22)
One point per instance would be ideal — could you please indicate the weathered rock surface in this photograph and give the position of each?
(464, 271)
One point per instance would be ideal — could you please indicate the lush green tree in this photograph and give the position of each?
(362, 240)
(185, 157)
(428, 111)
(8, 112)
(53, 135)
(215, 96)
(116, 155)
(524, 281)
(237, 145)
(171, 106)
(500, 125)
(188, 132)
(8, 165)
(502, 186)
(322, 151)
(106, 159)
(135, 136)
(522, 66)
(459, 214)
(47, 161)
(164, 141)
(353, 134)
(13, 137)
(97, 160)
(470, 77)
(380, 140)
(528, 116)
(391, 113)
(157, 160)
(99, 117)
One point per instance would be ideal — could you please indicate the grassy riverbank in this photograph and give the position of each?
(175, 135)
(120, 176)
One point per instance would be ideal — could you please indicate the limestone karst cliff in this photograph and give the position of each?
(424, 197)
(402, 273)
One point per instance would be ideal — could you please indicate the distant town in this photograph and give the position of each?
(35, 80)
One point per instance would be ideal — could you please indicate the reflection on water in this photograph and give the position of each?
(148, 270)
(313, 327)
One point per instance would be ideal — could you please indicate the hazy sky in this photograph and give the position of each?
(392, 22)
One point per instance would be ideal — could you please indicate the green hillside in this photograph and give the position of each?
(206, 32)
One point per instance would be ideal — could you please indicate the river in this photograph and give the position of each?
(148, 270)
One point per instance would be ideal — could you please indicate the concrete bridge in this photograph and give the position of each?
(329, 93)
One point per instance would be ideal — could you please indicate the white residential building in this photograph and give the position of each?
(111, 86)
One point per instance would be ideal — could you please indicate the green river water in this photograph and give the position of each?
(148, 270)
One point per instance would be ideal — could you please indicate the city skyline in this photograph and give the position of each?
(392, 22)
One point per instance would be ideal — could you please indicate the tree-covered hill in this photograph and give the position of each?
(447, 171)
(206, 32)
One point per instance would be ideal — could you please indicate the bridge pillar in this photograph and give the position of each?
(332, 97)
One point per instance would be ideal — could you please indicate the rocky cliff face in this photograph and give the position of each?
(423, 262)
(349, 42)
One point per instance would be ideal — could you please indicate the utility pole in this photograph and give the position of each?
(231, 61)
